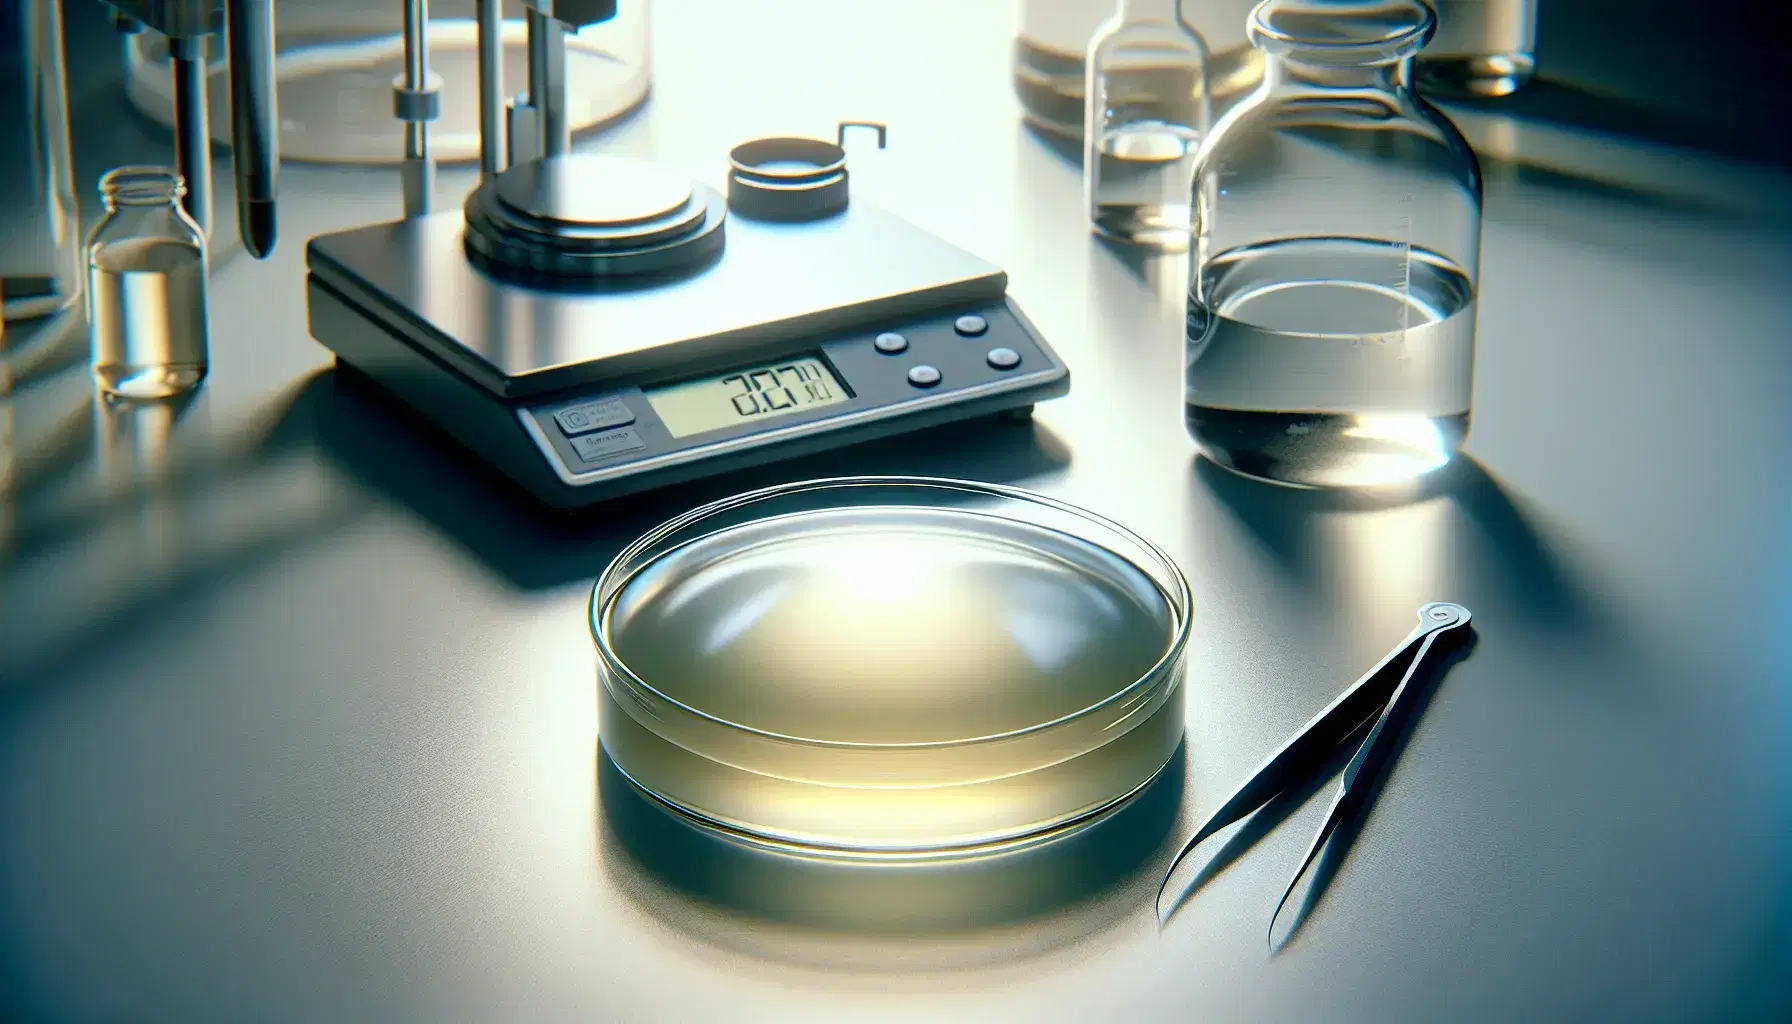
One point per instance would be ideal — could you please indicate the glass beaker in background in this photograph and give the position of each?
(1054, 35)
(1048, 60)
(40, 260)
(1482, 48)
(1337, 224)
(337, 59)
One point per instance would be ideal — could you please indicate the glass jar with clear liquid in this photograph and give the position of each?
(146, 271)
(1337, 227)
(1147, 108)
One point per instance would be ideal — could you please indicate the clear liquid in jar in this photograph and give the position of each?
(1151, 113)
(1139, 191)
(1330, 362)
(147, 314)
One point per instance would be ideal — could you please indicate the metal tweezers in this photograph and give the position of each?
(1388, 688)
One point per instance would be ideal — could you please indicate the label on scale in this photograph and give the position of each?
(605, 412)
(592, 447)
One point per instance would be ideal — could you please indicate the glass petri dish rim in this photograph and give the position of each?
(616, 575)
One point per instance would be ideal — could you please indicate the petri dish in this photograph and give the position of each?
(891, 666)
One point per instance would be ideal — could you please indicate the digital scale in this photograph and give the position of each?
(594, 326)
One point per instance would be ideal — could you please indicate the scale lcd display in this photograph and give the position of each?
(746, 395)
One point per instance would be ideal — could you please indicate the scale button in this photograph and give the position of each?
(970, 325)
(583, 419)
(592, 447)
(890, 343)
(923, 376)
(1004, 358)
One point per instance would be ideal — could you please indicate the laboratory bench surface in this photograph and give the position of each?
(298, 714)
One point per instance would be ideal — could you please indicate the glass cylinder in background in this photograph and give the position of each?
(1234, 66)
(1145, 115)
(1482, 48)
(40, 260)
(1053, 40)
(1337, 225)
(1048, 60)
(146, 303)
(337, 59)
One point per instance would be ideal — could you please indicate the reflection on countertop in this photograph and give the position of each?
(1458, 534)
(881, 916)
(142, 502)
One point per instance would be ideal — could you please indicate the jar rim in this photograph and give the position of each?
(1342, 33)
(142, 185)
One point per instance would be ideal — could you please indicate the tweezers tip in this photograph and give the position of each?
(1269, 934)
(1282, 904)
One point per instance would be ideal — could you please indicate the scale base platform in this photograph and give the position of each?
(564, 390)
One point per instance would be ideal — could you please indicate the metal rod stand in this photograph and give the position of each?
(547, 85)
(192, 128)
(490, 14)
(417, 101)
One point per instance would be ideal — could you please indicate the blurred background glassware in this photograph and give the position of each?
(337, 60)
(1053, 40)
(1337, 221)
(1049, 47)
(1234, 66)
(40, 262)
(1146, 112)
(146, 281)
(1481, 48)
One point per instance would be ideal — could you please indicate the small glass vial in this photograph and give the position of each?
(1482, 48)
(146, 275)
(1146, 91)
(1337, 225)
